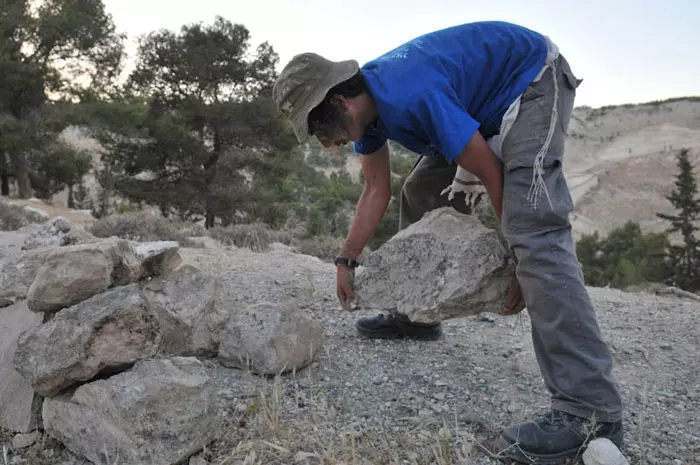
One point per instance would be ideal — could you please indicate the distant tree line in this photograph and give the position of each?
(627, 256)
(193, 132)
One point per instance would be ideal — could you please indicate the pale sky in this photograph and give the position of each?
(626, 51)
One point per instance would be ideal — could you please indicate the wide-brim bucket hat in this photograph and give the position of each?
(304, 83)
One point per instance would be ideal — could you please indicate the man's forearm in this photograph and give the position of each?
(493, 182)
(479, 159)
(369, 212)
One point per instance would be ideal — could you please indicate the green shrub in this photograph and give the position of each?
(626, 257)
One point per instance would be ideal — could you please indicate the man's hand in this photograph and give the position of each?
(515, 302)
(344, 285)
(466, 182)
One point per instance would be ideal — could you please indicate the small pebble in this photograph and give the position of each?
(22, 441)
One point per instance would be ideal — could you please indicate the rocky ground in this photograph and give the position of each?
(407, 402)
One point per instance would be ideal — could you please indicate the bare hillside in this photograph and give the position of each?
(621, 161)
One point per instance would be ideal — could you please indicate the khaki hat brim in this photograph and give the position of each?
(339, 72)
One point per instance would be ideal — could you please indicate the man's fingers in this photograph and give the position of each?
(515, 301)
(341, 298)
(346, 298)
(478, 199)
(349, 300)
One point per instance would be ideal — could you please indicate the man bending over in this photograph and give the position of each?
(492, 99)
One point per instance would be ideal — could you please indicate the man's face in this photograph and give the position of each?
(338, 126)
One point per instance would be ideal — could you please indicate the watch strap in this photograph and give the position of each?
(346, 261)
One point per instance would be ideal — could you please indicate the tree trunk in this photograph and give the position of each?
(21, 169)
(5, 180)
(210, 167)
(4, 175)
(210, 218)
(71, 201)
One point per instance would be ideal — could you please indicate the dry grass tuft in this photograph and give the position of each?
(43, 452)
(13, 217)
(143, 226)
(254, 236)
(324, 247)
(290, 424)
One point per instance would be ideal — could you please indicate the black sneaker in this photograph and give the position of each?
(394, 326)
(553, 438)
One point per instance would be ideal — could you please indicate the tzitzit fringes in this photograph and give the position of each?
(538, 185)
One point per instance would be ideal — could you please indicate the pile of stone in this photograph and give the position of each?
(102, 341)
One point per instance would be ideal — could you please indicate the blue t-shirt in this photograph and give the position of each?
(434, 92)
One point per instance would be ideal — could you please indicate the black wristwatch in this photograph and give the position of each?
(346, 261)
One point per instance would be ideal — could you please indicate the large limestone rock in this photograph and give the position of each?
(446, 265)
(68, 278)
(103, 334)
(191, 311)
(57, 232)
(157, 258)
(72, 274)
(17, 272)
(19, 406)
(160, 412)
(271, 338)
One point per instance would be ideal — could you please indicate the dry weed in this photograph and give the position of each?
(13, 217)
(290, 424)
(254, 236)
(324, 247)
(143, 226)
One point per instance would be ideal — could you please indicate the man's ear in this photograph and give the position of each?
(340, 102)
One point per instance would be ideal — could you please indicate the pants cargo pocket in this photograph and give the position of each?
(520, 213)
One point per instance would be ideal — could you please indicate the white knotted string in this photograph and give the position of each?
(538, 185)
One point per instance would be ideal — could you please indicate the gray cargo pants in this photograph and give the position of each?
(575, 362)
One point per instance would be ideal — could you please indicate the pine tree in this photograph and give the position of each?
(685, 258)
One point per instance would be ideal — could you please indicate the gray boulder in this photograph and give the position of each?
(19, 406)
(104, 334)
(57, 232)
(446, 265)
(271, 338)
(157, 258)
(68, 277)
(191, 314)
(74, 273)
(160, 412)
(17, 272)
